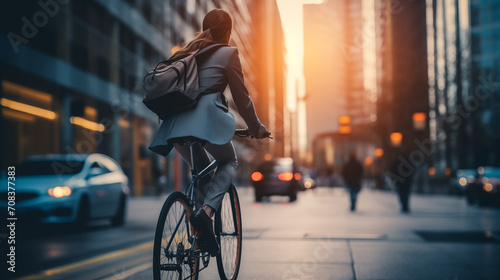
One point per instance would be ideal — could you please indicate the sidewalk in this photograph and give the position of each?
(318, 238)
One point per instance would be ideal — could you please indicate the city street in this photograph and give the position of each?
(315, 238)
(106, 107)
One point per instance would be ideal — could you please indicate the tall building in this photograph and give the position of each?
(482, 129)
(71, 76)
(464, 93)
(334, 73)
(402, 86)
(324, 66)
(268, 62)
(356, 103)
(449, 61)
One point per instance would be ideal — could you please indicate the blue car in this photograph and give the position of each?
(68, 188)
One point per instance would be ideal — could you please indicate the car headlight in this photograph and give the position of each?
(308, 184)
(60, 191)
(462, 181)
(488, 187)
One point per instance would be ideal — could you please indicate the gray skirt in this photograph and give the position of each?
(210, 120)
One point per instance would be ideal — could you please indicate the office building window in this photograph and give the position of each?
(103, 67)
(79, 56)
(485, 43)
(100, 19)
(476, 43)
(79, 9)
(28, 114)
(127, 38)
(496, 41)
(474, 14)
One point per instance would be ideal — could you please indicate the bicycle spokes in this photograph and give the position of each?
(177, 248)
(229, 229)
(228, 234)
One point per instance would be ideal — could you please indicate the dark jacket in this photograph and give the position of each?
(352, 172)
(211, 119)
(403, 169)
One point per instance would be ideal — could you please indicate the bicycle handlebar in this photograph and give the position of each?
(246, 133)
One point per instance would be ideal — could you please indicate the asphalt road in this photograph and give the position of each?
(316, 237)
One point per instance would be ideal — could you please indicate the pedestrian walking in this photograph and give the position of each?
(404, 172)
(352, 172)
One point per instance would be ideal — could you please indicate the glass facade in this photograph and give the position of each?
(485, 88)
(448, 41)
(463, 58)
(463, 74)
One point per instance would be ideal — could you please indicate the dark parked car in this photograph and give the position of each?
(485, 188)
(276, 177)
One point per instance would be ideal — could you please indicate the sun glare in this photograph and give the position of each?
(291, 13)
(292, 19)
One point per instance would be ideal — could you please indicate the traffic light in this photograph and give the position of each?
(345, 124)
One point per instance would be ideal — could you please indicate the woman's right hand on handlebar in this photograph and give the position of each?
(261, 134)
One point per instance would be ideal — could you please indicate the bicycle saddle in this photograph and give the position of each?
(186, 140)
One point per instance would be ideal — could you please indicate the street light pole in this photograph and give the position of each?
(419, 125)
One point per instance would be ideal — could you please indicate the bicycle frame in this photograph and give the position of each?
(195, 176)
(191, 255)
(194, 183)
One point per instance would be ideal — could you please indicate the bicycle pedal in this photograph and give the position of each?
(170, 267)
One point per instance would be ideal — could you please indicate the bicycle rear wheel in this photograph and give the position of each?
(229, 235)
(173, 245)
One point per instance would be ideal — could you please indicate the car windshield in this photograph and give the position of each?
(49, 167)
(272, 167)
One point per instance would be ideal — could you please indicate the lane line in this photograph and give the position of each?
(108, 269)
(102, 258)
(128, 273)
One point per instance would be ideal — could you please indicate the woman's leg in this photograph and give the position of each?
(353, 194)
(223, 177)
(201, 160)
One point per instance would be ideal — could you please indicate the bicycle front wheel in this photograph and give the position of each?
(173, 249)
(229, 235)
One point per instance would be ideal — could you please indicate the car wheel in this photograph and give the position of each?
(83, 214)
(119, 218)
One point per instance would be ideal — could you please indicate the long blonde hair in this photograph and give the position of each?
(216, 24)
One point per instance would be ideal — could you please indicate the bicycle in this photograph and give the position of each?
(175, 253)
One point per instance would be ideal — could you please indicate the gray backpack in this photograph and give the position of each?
(173, 86)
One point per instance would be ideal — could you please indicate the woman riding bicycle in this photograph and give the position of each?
(211, 120)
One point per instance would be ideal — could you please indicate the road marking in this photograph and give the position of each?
(113, 268)
(102, 258)
(349, 236)
(128, 273)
